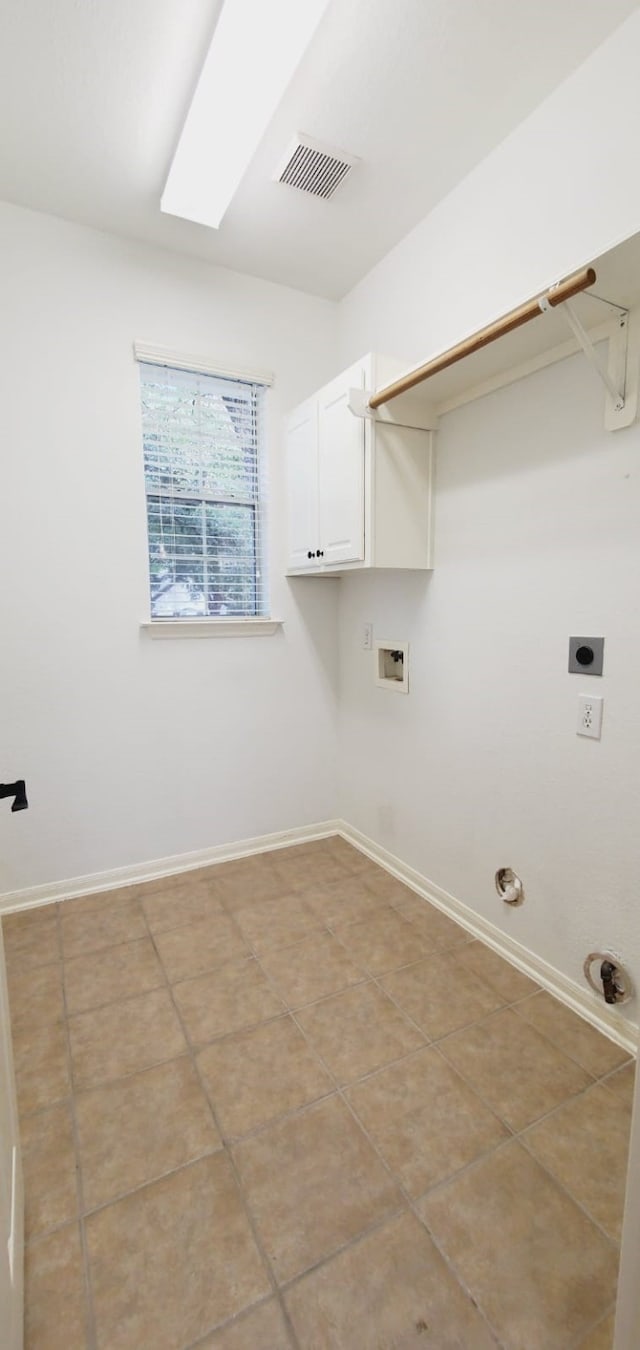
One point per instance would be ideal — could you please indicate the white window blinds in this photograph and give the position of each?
(202, 475)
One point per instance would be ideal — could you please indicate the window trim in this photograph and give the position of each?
(153, 355)
(211, 628)
(261, 625)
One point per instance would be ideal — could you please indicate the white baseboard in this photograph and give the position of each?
(613, 1022)
(116, 877)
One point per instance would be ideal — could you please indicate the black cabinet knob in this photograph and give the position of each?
(310, 553)
(319, 553)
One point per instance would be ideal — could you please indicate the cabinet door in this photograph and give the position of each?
(341, 447)
(302, 470)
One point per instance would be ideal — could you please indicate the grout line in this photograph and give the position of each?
(339, 1089)
(199, 1046)
(613, 1242)
(560, 1048)
(472, 1166)
(89, 1309)
(594, 1082)
(253, 955)
(514, 1136)
(519, 1136)
(374, 1227)
(108, 946)
(54, 1228)
(579, 1342)
(236, 1320)
(554, 1111)
(322, 998)
(161, 1176)
(16, 967)
(196, 1048)
(93, 1085)
(341, 1092)
(618, 1069)
(233, 1141)
(289, 1009)
(118, 1000)
(512, 1128)
(49, 1106)
(460, 1172)
(511, 1007)
(398, 1184)
(85, 1087)
(236, 1175)
(443, 948)
(434, 1043)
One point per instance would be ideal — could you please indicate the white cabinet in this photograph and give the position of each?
(341, 451)
(359, 489)
(302, 467)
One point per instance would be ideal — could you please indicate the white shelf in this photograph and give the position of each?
(542, 342)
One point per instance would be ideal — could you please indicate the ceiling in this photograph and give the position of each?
(93, 94)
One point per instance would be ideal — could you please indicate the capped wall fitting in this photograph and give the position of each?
(509, 886)
(606, 975)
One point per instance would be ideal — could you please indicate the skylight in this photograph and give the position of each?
(256, 47)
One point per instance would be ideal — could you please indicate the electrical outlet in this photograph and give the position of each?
(589, 716)
(367, 637)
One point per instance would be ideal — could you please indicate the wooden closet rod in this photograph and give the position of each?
(564, 290)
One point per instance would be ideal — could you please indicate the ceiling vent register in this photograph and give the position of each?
(314, 168)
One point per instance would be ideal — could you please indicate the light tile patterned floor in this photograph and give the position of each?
(284, 1103)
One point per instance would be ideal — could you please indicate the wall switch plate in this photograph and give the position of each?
(589, 716)
(367, 637)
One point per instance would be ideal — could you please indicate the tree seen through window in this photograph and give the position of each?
(200, 435)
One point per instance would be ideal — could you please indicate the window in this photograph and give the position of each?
(201, 465)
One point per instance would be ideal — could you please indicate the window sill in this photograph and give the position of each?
(210, 628)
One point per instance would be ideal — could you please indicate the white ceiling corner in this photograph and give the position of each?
(93, 97)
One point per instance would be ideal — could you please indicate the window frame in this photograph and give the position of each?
(211, 625)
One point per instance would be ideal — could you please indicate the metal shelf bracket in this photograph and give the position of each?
(614, 383)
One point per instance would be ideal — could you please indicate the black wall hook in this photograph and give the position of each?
(18, 790)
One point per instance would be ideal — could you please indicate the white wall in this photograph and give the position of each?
(536, 538)
(480, 766)
(134, 750)
(560, 190)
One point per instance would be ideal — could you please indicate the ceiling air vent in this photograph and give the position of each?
(314, 168)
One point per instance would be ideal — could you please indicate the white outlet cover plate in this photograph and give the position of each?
(590, 716)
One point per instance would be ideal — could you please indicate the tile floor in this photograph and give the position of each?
(283, 1102)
